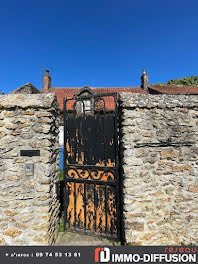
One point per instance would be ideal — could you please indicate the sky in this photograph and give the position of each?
(99, 43)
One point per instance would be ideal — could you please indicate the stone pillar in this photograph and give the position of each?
(160, 175)
(28, 202)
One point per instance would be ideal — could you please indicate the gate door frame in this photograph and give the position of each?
(115, 184)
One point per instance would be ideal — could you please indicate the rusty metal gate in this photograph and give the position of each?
(91, 165)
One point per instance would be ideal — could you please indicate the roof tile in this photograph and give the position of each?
(173, 89)
(71, 91)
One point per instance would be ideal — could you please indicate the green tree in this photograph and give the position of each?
(186, 81)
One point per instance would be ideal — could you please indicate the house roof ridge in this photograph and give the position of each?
(95, 87)
(172, 85)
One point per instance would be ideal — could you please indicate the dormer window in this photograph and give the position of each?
(87, 105)
(84, 103)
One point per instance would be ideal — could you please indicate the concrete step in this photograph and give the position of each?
(76, 239)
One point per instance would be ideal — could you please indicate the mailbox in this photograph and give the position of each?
(30, 153)
(29, 169)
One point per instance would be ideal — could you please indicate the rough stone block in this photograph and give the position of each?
(28, 122)
(160, 168)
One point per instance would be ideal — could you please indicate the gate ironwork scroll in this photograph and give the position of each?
(91, 165)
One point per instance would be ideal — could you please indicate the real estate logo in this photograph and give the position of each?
(102, 254)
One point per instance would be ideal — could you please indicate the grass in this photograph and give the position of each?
(190, 244)
(61, 177)
(61, 225)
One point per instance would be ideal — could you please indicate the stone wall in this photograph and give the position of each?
(28, 204)
(160, 168)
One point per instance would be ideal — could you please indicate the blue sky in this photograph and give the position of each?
(97, 42)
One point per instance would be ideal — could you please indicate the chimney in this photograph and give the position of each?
(46, 82)
(145, 81)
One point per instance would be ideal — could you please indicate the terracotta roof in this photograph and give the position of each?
(71, 91)
(68, 92)
(173, 89)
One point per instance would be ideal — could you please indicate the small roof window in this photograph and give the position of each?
(87, 105)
